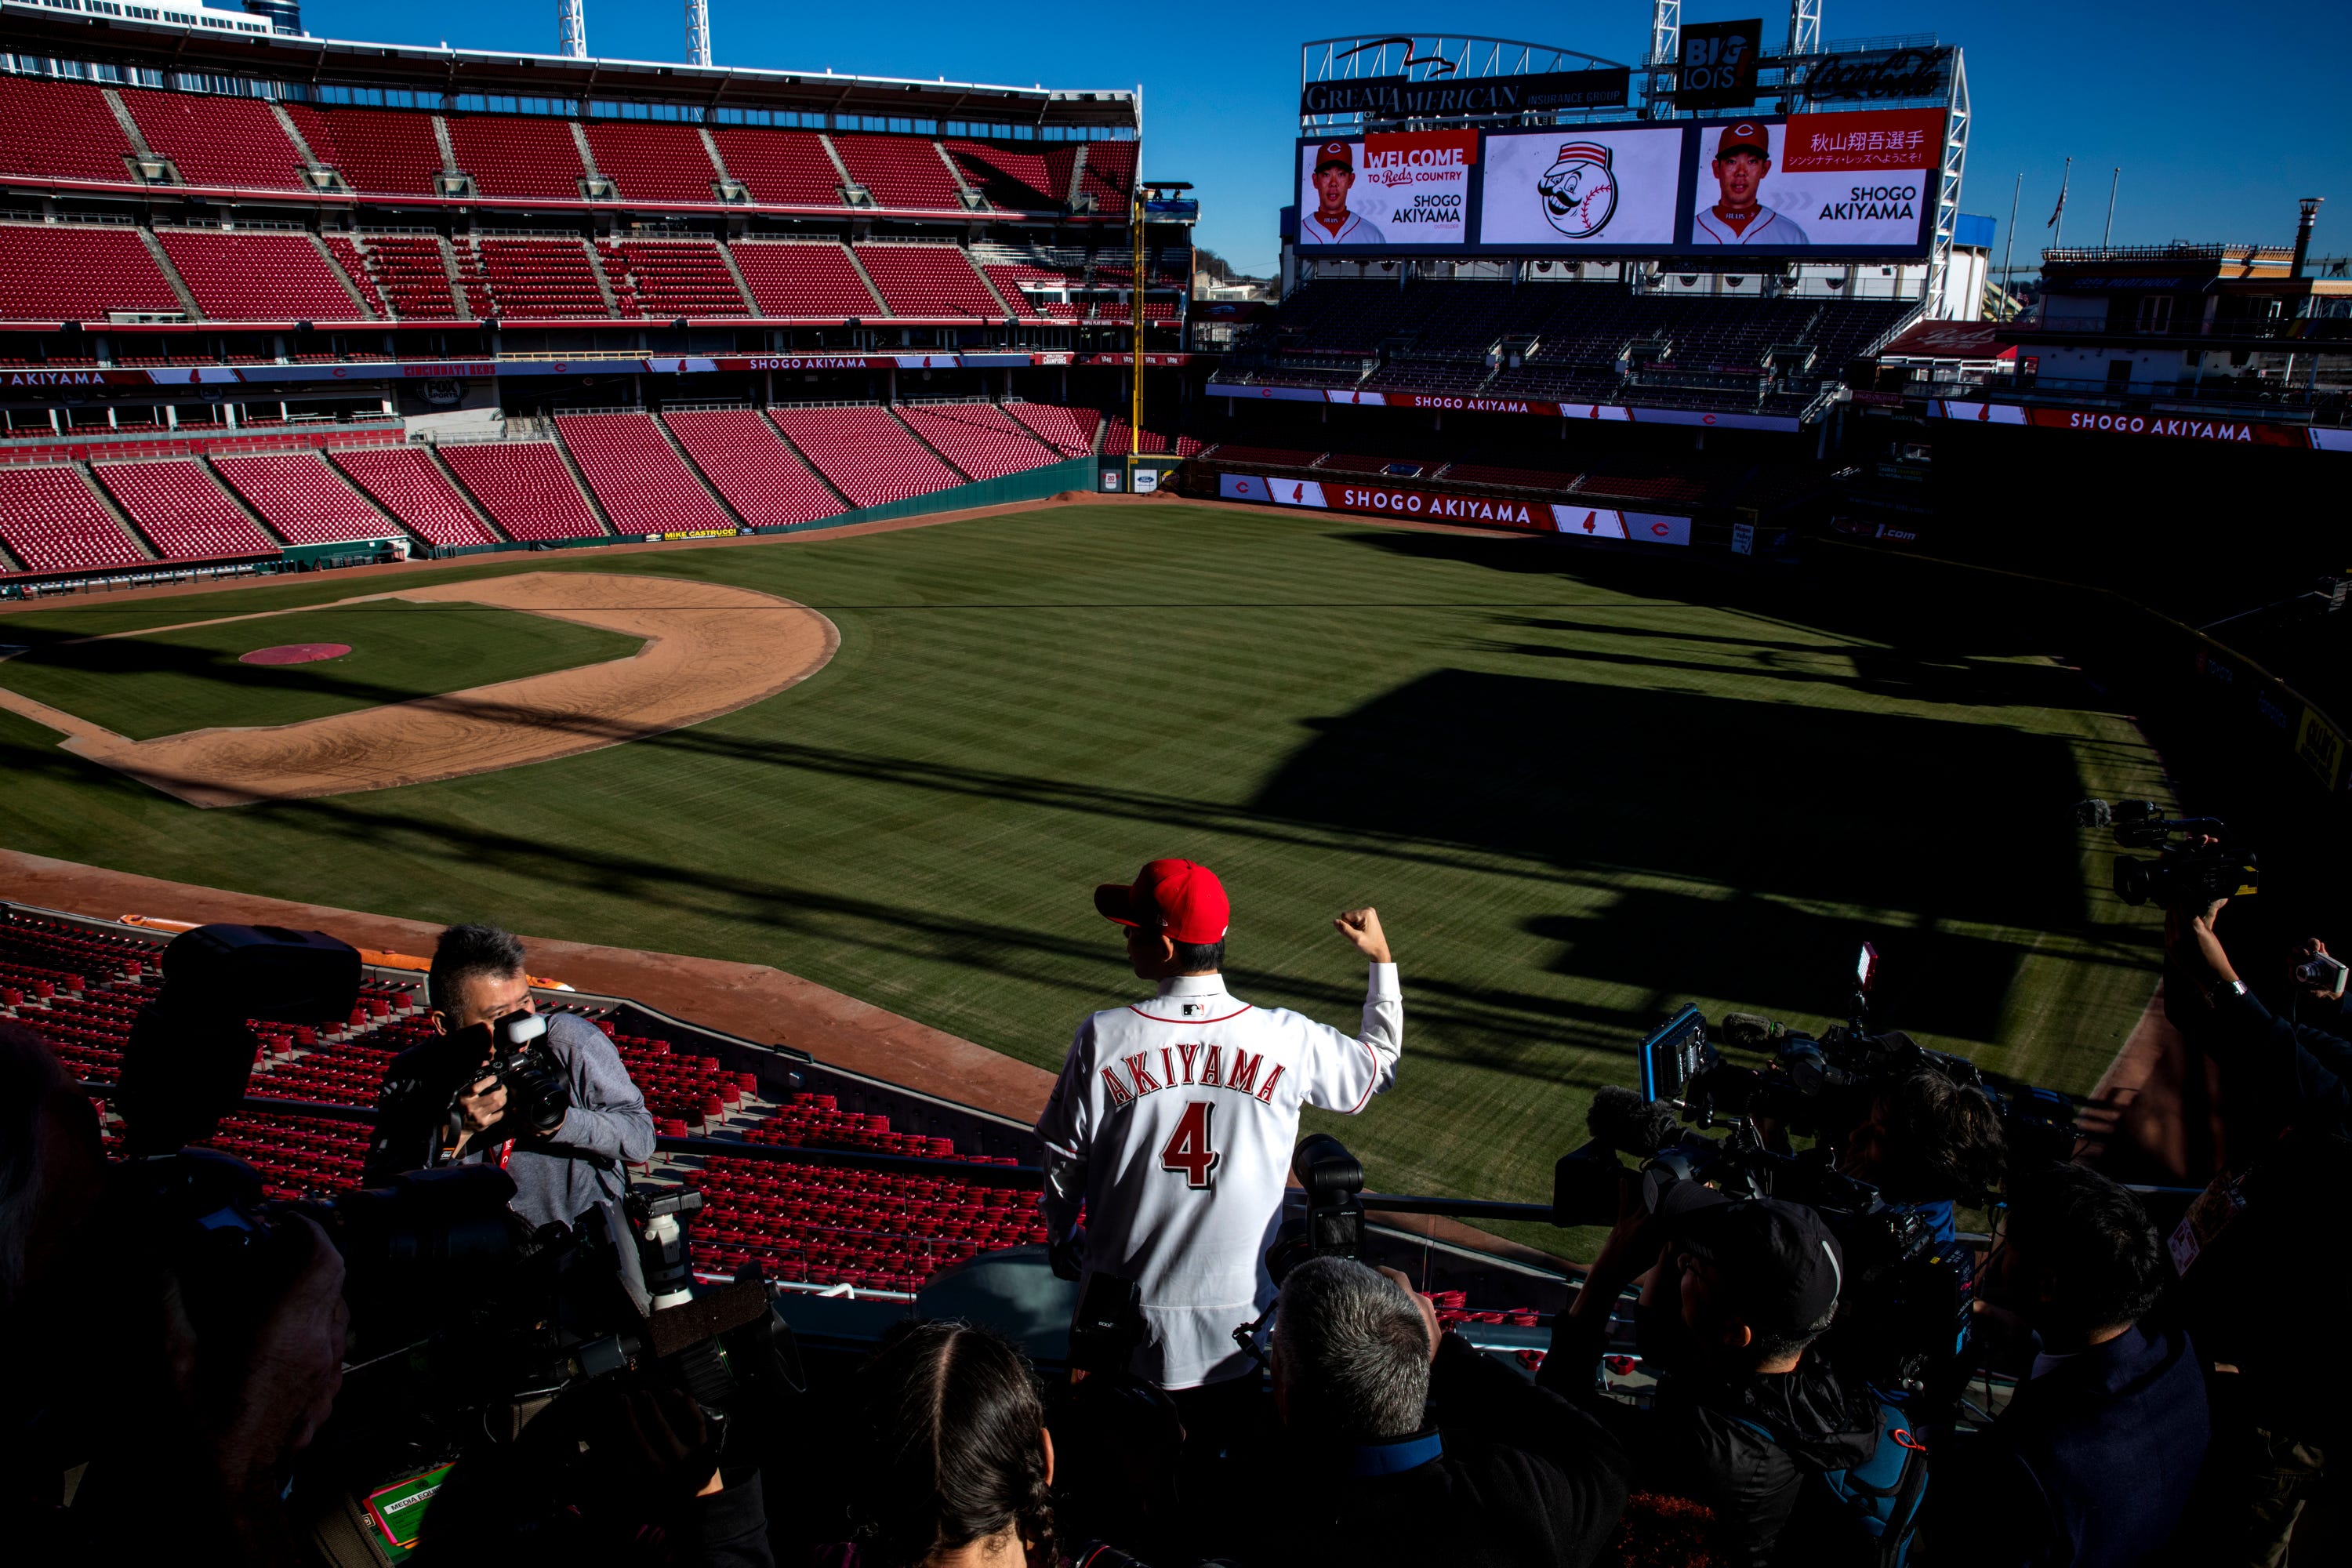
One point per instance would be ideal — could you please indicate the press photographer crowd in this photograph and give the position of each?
(1859, 1302)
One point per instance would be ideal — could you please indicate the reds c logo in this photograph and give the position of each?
(1579, 194)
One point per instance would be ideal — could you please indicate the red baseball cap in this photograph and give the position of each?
(1747, 133)
(1335, 152)
(1182, 899)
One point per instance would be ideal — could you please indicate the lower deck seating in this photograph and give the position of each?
(526, 489)
(752, 466)
(1069, 431)
(807, 282)
(539, 278)
(51, 521)
(670, 277)
(868, 455)
(637, 477)
(407, 483)
(302, 499)
(183, 511)
(978, 438)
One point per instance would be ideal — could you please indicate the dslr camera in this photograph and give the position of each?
(2183, 875)
(539, 1093)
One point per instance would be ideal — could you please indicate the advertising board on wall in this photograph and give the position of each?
(1468, 509)
(1862, 182)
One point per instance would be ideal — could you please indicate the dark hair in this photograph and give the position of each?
(1774, 1344)
(465, 951)
(1944, 1140)
(2093, 1240)
(1199, 957)
(950, 1415)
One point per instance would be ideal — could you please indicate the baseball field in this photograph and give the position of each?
(1581, 790)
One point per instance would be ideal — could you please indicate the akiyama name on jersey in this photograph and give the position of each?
(1238, 1076)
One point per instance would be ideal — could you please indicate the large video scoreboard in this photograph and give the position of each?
(1859, 183)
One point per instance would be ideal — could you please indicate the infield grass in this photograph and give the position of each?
(1581, 791)
(166, 683)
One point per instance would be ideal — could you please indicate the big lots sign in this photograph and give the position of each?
(1474, 509)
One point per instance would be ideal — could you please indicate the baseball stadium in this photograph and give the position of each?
(780, 543)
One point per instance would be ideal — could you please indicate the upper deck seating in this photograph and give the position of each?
(517, 154)
(216, 140)
(60, 130)
(258, 275)
(653, 163)
(811, 282)
(780, 168)
(53, 272)
(379, 151)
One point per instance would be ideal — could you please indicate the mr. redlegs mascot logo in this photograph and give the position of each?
(1579, 194)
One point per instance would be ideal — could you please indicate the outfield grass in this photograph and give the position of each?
(168, 683)
(1579, 791)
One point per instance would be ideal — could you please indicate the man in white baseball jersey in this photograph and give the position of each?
(1743, 156)
(1331, 222)
(1174, 1121)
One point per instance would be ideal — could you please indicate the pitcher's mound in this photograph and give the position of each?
(295, 653)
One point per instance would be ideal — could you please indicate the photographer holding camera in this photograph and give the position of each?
(1506, 1475)
(1733, 1295)
(547, 1101)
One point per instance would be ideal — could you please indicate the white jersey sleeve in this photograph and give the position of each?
(1172, 1123)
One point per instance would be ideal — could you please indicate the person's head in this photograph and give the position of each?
(1175, 912)
(956, 1452)
(1335, 176)
(1742, 158)
(477, 975)
(1928, 1139)
(2079, 1260)
(1744, 1285)
(52, 1164)
(1350, 1355)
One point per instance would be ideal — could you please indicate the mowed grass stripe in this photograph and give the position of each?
(1579, 793)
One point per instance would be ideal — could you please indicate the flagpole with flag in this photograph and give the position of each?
(2058, 213)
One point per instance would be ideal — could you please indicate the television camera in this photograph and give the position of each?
(1905, 1297)
(2194, 871)
(465, 1323)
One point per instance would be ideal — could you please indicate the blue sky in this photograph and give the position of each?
(2218, 117)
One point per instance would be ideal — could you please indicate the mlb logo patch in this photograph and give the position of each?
(1191, 1009)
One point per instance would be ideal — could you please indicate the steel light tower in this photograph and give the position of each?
(570, 30)
(697, 32)
(1805, 26)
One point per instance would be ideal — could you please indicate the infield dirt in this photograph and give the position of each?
(709, 648)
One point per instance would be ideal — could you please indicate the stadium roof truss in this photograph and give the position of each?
(1433, 56)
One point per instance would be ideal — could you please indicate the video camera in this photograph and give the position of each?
(464, 1321)
(2183, 875)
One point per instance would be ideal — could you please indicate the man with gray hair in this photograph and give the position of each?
(1515, 1474)
(435, 1109)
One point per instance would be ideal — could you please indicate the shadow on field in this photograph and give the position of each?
(1926, 819)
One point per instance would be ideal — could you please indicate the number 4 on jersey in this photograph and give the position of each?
(1189, 1151)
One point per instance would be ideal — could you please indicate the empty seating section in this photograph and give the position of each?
(1263, 457)
(526, 489)
(761, 475)
(1008, 282)
(1069, 431)
(407, 483)
(1115, 441)
(868, 1229)
(517, 155)
(1020, 181)
(780, 168)
(639, 479)
(929, 281)
(807, 282)
(900, 171)
(302, 499)
(978, 438)
(257, 275)
(541, 278)
(379, 151)
(78, 272)
(653, 163)
(215, 140)
(670, 277)
(347, 257)
(51, 523)
(866, 454)
(410, 273)
(60, 130)
(183, 511)
(1510, 474)
(1109, 175)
